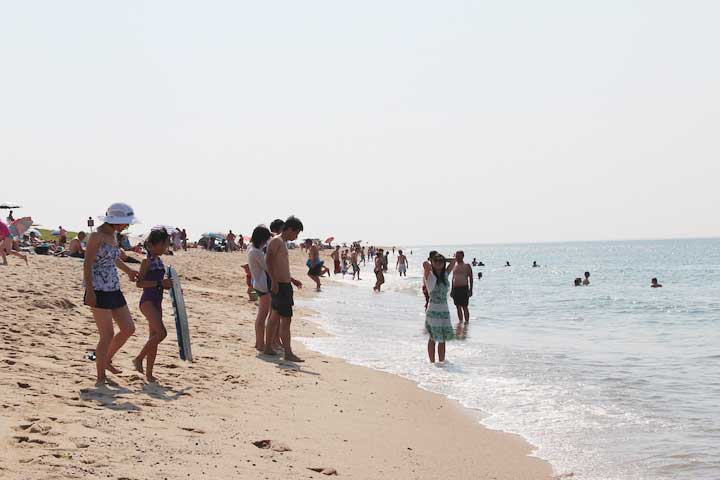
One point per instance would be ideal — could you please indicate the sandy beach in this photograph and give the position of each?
(231, 414)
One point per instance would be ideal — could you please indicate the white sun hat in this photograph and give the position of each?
(119, 214)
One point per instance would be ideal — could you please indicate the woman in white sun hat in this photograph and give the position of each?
(102, 286)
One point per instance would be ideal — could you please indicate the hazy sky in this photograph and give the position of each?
(392, 121)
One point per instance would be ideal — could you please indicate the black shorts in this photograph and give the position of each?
(282, 302)
(461, 296)
(356, 268)
(315, 271)
(108, 300)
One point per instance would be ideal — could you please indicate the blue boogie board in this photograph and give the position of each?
(181, 320)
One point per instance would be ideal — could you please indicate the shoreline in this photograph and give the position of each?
(472, 415)
(201, 419)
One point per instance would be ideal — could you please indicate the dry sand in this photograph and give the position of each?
(201, 420)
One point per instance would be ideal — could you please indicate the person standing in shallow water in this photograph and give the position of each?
(437, 316)
(462, 286)
(379, 275)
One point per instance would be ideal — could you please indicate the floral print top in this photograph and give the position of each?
(104, 272)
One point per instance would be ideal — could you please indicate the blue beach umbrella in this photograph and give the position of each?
(215, 235)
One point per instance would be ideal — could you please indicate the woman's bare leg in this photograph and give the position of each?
(441, 351)
(271, 332)
(431, 350)
(104, 322)
(127, 328)
(262, 315)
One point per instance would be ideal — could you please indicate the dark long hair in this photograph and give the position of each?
(260, 235)
(156, 236)
(441, 276)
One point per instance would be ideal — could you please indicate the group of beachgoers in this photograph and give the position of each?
(436, 285)
(270, 278)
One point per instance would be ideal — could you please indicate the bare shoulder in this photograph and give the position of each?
(94, 239)
(275, 243)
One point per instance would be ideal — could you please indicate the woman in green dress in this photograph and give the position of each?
(437, 315)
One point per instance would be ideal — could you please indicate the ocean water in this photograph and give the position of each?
(611, 381)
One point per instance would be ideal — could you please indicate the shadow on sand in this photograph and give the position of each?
(107, 396)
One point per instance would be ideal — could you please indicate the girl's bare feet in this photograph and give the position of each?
(101, 382)
(293, 358)
(138, 365)
(151, 379)
(114, 370)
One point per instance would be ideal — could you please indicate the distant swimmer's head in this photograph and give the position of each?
(292, 227)
(578, 282)
(587, 275)
(654, 283)
(276, 226)
(260, 236)
(479, 275)
(157, 242)
(400, 252)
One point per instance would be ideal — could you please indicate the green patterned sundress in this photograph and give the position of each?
(437, 315)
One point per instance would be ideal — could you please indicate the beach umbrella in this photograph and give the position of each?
(10, 205)
(329, 240)
(55, 233)
(215, 235)
(20, 226)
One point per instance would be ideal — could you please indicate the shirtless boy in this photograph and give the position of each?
(281, 291)
(402, 263)
(462, 286)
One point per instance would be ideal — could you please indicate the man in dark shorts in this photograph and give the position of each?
(462, 286)
(281, 292)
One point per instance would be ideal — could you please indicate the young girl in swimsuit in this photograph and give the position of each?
(152, 280)
(102, 287)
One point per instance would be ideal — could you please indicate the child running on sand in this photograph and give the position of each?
(152, 280)
(102, 286)
(437, 315)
